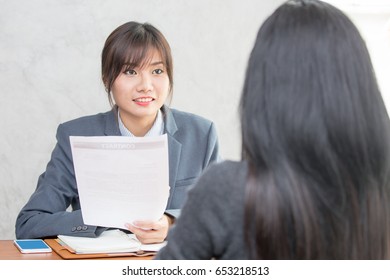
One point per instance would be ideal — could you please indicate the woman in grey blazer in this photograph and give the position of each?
(137, 74)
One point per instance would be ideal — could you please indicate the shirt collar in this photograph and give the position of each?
(156, 129)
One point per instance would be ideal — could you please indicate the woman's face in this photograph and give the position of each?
(141, 92)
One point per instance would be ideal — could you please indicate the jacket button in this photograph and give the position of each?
(84, 228)
(78, 228)
(73, 229)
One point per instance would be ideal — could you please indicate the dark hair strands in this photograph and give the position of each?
(315, 132)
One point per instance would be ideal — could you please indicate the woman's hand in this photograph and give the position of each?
(151, 232)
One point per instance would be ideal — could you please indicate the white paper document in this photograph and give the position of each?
(110, 241)
(121, 179)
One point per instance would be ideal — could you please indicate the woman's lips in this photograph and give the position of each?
(143, 101)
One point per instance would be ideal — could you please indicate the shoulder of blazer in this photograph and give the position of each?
(177, 120)
(98, 124)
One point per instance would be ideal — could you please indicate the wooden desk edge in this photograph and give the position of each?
(8, 251)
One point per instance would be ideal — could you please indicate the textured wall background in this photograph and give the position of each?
(50, 72)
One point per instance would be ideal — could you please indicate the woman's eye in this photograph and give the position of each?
(130, 72)
(158, 71)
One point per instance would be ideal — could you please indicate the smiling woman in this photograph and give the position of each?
(137, 74)
(140, 92)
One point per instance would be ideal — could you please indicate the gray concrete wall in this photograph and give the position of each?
(50, 72)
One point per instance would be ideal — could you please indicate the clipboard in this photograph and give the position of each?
(67, 254)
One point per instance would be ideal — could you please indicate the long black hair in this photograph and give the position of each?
(315, 132)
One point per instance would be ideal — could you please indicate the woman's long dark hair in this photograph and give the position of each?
(315, 132)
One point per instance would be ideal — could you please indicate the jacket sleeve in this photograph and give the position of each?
(54, 207)
(202, 224)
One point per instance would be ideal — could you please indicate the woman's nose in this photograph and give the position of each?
(145, 83)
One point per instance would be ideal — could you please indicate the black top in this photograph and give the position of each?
(212, 221)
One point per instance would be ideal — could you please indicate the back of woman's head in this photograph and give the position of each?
(315, 132)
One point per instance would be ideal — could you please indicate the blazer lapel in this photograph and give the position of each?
(174, 149)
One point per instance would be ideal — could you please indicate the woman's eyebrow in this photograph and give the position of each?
(156, 63)
(132, 65)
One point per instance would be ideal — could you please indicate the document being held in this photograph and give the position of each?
(121, 179)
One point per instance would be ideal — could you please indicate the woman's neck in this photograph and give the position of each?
(138, 126)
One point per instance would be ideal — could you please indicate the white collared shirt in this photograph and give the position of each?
(156, 129)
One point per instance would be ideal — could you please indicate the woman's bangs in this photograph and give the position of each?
(138, 56)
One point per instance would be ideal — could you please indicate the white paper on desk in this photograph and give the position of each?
(121, 179)
(110, 241)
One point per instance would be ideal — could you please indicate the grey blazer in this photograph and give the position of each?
(54, 207)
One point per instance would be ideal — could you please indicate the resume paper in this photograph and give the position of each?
(121, 179)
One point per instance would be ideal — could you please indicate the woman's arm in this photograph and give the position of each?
(45, 214)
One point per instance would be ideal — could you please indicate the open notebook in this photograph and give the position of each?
(110, 241)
